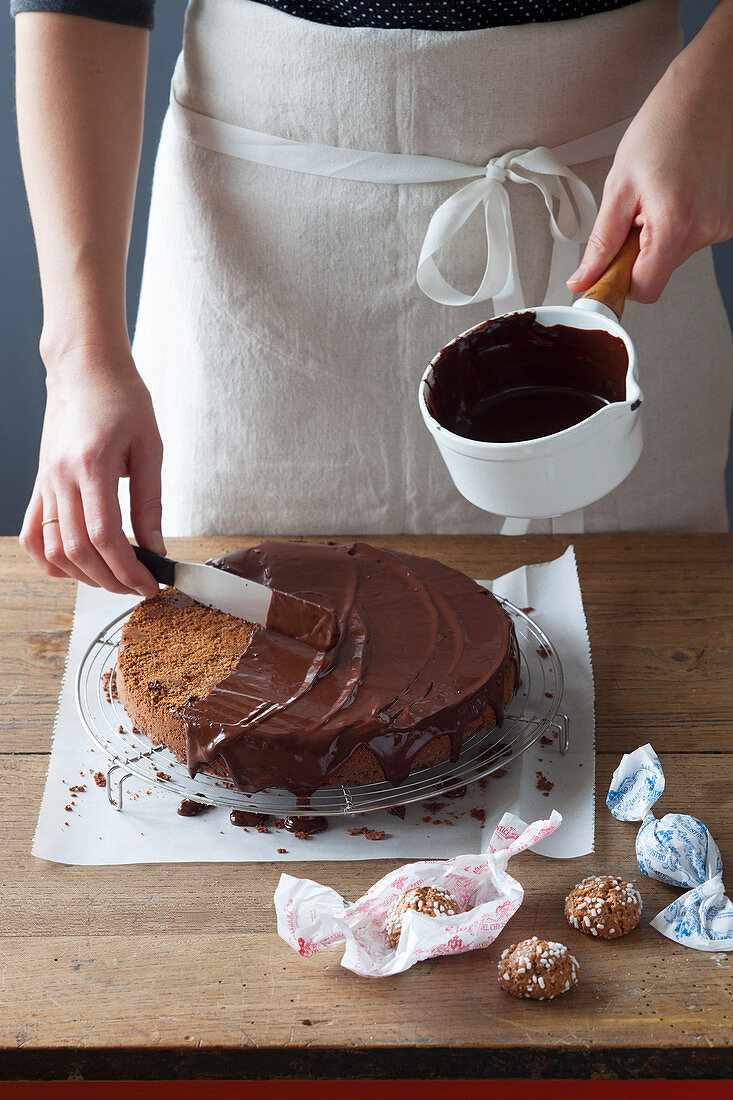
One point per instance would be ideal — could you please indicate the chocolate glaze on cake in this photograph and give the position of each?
(421, 651)
(424, 657)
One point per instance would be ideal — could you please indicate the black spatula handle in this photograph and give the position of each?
(163, 569)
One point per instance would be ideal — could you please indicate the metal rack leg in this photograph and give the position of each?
(118, 780)
(561, 726)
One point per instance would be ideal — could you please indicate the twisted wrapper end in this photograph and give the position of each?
(636, 785)
(702, 918)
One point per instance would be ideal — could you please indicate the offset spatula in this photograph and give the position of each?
(290, 615)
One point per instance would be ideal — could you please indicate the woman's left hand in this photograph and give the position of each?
(673, 171)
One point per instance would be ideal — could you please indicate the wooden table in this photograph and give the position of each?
(177, 971)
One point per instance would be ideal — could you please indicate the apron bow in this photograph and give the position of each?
(572, 211)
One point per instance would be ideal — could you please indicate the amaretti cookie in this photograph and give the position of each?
(423, 899)
(604, 906)
(538, 969)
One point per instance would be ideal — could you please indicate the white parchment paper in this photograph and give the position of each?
(150, 831)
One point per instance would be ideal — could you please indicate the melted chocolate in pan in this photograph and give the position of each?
(513, 379)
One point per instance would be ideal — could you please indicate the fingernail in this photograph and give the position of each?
(156, 542)
(578, 276)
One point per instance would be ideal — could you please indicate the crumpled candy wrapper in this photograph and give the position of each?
(677, 849)
(311, 917)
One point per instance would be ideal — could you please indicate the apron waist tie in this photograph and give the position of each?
(570, 204)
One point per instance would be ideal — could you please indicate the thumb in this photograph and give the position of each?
(609, 232)
(145, 502)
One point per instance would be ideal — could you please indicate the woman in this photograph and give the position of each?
(281, 331)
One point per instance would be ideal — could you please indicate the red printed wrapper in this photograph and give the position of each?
(311, 917)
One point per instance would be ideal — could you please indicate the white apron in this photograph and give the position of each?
(282, 331)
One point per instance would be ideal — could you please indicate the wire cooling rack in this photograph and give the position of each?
(534, 712)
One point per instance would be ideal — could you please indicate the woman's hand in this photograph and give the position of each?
(673, 170)
(99, 426)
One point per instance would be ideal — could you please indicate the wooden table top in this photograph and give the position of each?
(177, 971)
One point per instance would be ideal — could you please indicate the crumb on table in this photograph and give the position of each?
(370, 834)
(544, 784)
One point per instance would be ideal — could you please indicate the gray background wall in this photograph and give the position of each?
(21, 408)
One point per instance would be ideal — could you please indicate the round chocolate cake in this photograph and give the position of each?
(425, 657)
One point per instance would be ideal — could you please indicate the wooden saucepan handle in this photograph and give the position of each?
(613, 286)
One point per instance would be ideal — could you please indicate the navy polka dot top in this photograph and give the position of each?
(437, 15)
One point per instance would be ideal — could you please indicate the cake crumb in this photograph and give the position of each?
(546, 741)
(99, 779)
(370, 834)
(544, 784)
(162, 775)
(69, 809)
(106, 676)
(479, 814)
(282, 851)
(77, 789)
(156, 690)
(542, 651)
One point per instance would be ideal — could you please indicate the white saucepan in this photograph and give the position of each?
(560, 473)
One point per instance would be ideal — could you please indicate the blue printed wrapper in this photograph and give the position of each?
(677, 849)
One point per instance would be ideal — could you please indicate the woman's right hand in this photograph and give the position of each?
(99, 426)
